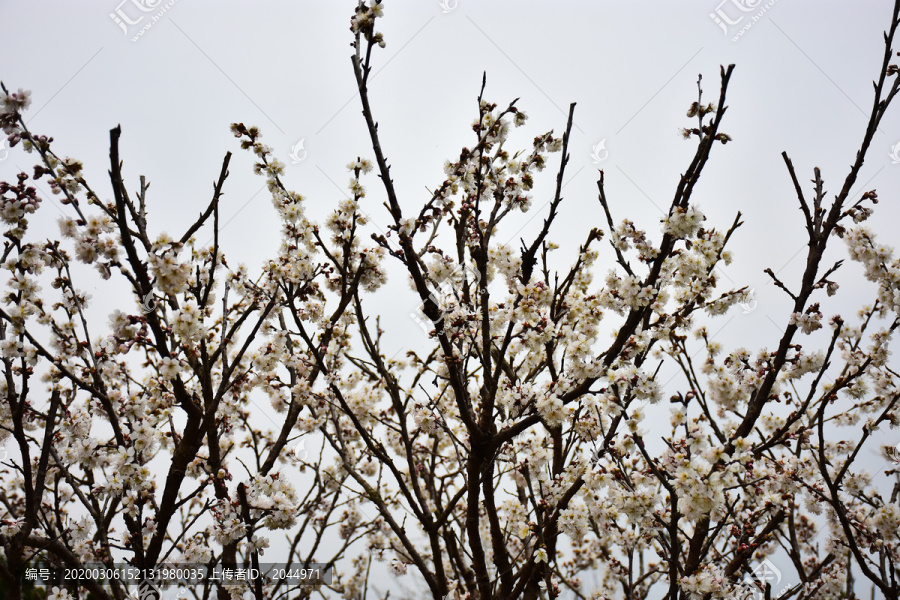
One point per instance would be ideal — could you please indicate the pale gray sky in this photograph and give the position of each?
(802, 84)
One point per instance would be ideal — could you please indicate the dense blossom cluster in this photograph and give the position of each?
(880, 265)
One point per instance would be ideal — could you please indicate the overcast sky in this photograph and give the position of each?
(802, 84)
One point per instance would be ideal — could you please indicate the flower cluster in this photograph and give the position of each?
(228, 526)
(364, 21)
(17, 201)
(11, 107)
(188, 323)
(171, 274)
(683, 223)
(880, 265)
(274, 497)
(809, 320)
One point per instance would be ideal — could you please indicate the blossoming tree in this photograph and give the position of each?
(510, 460)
